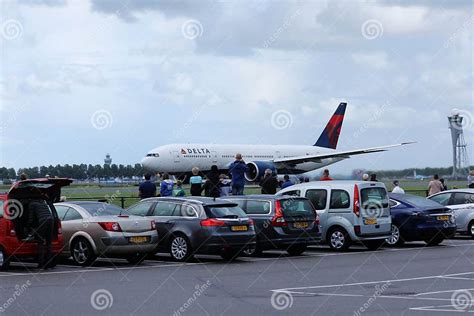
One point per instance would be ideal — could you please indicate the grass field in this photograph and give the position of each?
(129, 194)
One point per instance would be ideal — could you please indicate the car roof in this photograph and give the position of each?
(465, 190)
(196, 199)
(312, 184)
(263, 197)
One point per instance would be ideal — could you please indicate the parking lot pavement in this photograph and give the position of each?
(413, 280)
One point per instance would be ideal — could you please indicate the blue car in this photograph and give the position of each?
(415, 218)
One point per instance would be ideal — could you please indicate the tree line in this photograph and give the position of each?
(419, 171)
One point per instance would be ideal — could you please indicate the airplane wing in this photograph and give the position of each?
(336, 154)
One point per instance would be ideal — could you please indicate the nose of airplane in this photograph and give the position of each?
(147, 163)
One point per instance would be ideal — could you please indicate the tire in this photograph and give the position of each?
(435, 241)
(230, 255)
(396, 239)
(470, 229)
(180, 248)
(136, 259)
(82, 252)
(296, 250)
(4, 262)
(338, 239)
(53, 262)
(373, 244)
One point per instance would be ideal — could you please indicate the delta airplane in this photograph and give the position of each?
(303, 161)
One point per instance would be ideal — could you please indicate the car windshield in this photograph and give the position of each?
(226, 211)
(296, 207)
(374, 196)
(102, 209)
(419, 201)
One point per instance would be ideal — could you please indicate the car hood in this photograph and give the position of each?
(38, 186)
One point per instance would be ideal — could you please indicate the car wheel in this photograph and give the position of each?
(296, 250)
(82, 252)
(230, 255)
(4, 262)
(470, 229)
(137, 258)
(338, 239)
(373, 244)
(180, 248)
(396, 239)
(435, 241)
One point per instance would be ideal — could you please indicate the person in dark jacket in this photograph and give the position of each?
(212, 184)
(269, 183)
(41, 222)
(147, 188)
(237, 170)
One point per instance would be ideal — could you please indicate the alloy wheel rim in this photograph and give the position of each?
(80, 252)
(472, 230)
(179, 248)
(393, 239)
(337, 239)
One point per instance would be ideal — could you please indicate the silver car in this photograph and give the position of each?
(93, 229)
(461, 201)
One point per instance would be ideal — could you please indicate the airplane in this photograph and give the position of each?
(300, 160)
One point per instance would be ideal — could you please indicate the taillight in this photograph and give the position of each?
(356, 208)
(316, 220)
(251, 222)
(153, 225)
(278, 220)
(212, 222)
(111, 226)
(60, 227)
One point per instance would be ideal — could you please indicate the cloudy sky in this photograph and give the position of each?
(80, 79)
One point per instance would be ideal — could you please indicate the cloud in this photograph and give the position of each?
(377, 60)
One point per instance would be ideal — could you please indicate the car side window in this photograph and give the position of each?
(71, 215)
(140, 209)
(318, 198)
(184, 210)
(339, 199)
(258, 207)
(442, 199)
(164, 209)
(241, 203)
(292, 193)
(61, 210)
(393, 203)
(462, 198)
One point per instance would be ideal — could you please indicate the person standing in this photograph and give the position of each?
(365, 177)
(435, 186)
(445, 187)
(470, 179)
(147, 188)
(325, 176)
(166, 186)
(287, 182)
(212, 184)
(178, 191)
(237, 169)
(269, 183)
(225, 188)
(196, 182)
(397, 188)
(41, 221)
(373, 177)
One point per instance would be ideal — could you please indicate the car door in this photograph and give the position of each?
(162, 213)
(71, 222)
(319, 199)
(462, 204)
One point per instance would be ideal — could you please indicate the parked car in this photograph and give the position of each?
(16, 243)
(99, 229)
(349, 211)
(193, 225)
(281, 222)
(461, 201)
(415, 218)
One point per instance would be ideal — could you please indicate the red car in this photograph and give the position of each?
(16, 243)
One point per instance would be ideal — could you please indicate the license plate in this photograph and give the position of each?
(139, 239)
(370, 221)
(240, 228)
(443, 218)
(300, 225)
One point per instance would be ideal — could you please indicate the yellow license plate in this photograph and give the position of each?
(300, 225)
(139, 239)
(370, 221)
(240, 228)
(443, 218)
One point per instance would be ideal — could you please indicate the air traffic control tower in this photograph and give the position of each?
(460, 158)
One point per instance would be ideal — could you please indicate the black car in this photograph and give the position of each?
(415, 218)
(198, 225)
(281, 222)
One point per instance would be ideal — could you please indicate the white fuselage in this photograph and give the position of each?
(181, 158)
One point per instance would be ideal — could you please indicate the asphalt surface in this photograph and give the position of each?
(413, 280)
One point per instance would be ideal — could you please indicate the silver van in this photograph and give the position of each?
(349, 211)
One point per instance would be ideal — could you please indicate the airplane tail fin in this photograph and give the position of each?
(330, 135)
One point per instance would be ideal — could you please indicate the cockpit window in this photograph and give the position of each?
(153, 155)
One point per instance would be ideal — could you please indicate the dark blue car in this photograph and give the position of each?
(415, 218)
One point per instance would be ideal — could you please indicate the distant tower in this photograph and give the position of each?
(107, 160)
(460, 159)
